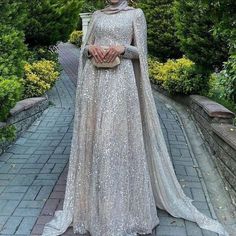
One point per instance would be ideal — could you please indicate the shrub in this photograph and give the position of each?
(194, 30)
(76, 37)
(13, 13)
(91, 5)
(51, 21)
(162, 41)
(223, 15)
(223, 84)
(10, 93)
(177, 76)
(44, 53)
(39, 77)
(7, 133)
(12, 47)
(13, 51)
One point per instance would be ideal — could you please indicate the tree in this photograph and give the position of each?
(51, 20)
(162, 41)
(194, 30)
(12, 47)
(92, 5)
(223, 15)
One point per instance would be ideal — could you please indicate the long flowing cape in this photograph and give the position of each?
(168, 193)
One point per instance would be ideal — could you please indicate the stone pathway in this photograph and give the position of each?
(33, 170)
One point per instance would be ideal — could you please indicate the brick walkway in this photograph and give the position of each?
(33, 170)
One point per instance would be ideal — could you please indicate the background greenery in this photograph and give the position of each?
(202, 32)
(162, 40)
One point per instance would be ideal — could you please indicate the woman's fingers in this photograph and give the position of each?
(99, 53)
(114, 54)
(95, 55)
(111, 55)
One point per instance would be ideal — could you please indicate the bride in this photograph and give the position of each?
(119, 167)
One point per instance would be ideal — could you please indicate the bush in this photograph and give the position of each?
(223, 84)
(154, 67)
(51, 21)
(223, 15)
(91, 5)
(13, 14)
(7, 134)
(10, 93)
(39, 77)
(44, 53)
(177, 76)
(162, 41)
(76, 37)
(13, 52)
(12, 47)
(194, 30)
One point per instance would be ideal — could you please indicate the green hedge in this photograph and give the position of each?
(10, 93)
(223, 15)
(50, 21)
(195, 32)
(13, 51)
(162, 41)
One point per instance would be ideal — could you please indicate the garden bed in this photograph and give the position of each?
(22, 115)
(216, 124)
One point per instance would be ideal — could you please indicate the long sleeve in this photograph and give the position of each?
(86, 51)
(131, 52)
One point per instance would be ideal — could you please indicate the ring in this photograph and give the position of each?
(95, 54)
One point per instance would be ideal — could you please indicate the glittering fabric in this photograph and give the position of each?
(119, 168)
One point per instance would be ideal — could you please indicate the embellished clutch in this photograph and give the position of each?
(115, 63)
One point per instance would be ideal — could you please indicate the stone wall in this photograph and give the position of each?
(23, 115)
(216, 123)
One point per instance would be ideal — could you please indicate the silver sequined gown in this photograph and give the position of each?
(114, 192)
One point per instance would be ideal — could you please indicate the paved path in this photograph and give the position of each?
(33, 170)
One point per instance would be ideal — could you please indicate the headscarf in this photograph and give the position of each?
(122, 5)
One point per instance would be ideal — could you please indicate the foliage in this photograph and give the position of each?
(45, 53)
(76, 37)
(10, 93)
(13, 13)
(51, 21)
(13, 51)
(223, 15)
(223, 84)
(91, 5)
(12, 47)
(162, 41)
(154, 67)
(39, 77)
(7, 133)
(177, 76)
(194, 30)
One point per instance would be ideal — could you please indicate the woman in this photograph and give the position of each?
(119, 168)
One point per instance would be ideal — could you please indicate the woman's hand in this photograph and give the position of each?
(97, 52)
(113, 52)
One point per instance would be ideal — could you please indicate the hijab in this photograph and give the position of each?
(122, 5)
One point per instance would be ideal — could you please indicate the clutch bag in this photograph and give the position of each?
(115, 63)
